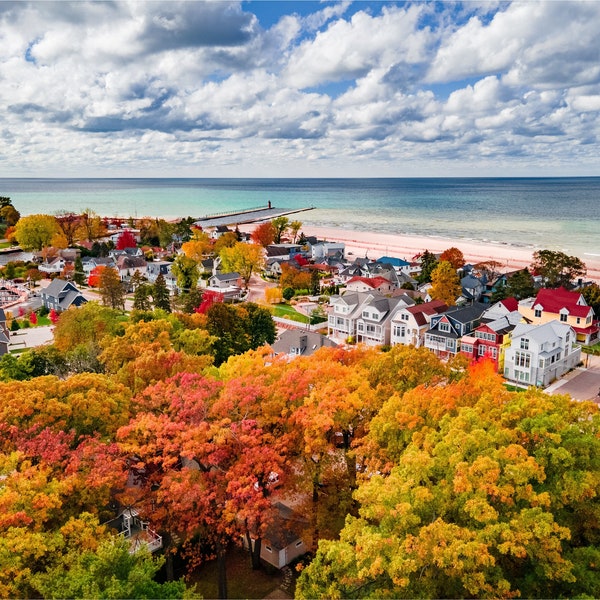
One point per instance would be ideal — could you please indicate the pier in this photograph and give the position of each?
(249, 215)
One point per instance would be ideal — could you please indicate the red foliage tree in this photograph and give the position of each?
(33, 318)
(53, 316)
(95, 276)
(264, 234)
(126, 240)
(208, 299)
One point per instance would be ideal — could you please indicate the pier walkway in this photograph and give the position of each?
(251, 215)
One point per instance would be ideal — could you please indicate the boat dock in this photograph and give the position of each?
(250, 215)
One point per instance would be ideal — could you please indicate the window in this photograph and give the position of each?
(444, 327)
(578, 320)
(494, 352)
(467, 348)
(524, 344)
(268, 549)
(563, 317)
(542, 363)
(365, 314)
(482, 350)
(399, 330)
(298, 543)
(537, 313)
(522, 359)
(404, 317)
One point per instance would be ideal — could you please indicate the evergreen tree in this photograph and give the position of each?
(160, 294)
(428, 264)
(141, 297)
(111, 289)
(78, 273)
(520, 285)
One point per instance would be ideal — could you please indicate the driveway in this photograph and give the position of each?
(31, 338)
(582, 383)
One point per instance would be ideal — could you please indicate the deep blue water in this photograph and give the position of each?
(558, 213)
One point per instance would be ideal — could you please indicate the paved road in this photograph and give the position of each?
(582, 383)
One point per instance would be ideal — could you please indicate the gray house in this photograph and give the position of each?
(296, 342)
(4, 334)
(61, 294)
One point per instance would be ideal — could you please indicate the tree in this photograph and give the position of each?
(243, 259)
(126, 240)
(186, 271)
(111, 289)
(520, 285)
(109, 571)
(264, 234)
(591, 294)
(454, 256)
(475, 503)
(10, 215)
(141, 297)
(78, 272)
(35, 232)
(95, 276)
(445, 284)
(91, 226)
(198, 246)
(557, 268)
(294, 228)
(428, 263)
(280, 225)
(69, 224)
(160, 294)
(227, 240)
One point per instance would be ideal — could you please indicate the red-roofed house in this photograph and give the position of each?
(565, 306)
(410, 323)
(370, 284)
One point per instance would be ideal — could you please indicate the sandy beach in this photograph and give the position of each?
(374, 245)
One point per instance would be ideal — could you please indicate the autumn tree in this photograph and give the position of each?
(69, 224)
(475, 503)
(198, 246)
(294, 228)
(111, 288)
(9, 215)
(557, 268)
(445, 284)
(280, 226)
(520, 285)
(591, 294)
(454, 256)
(35, 232)
(243, 259)
(91, 226)
(186, 271)
(227, 240)
(95, 276)
(126, 240)
(264, 234)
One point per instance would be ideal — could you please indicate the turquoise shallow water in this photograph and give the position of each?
(556, 213)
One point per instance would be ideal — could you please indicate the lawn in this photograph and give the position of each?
(288, 312)
(242, 581)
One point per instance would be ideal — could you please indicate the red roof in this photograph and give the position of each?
(553, 300)
(373, 282)
(510, 304)
(419, 311)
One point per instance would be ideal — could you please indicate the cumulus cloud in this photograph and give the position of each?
(163, 87)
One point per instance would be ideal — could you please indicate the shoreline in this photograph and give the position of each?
(406, 246)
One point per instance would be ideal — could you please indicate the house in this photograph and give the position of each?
(323, 250)
(217, 231)
(446, 329)
(129, 525)
(472, 288)
(115, 254)
(370, 284)
(374, 323)
(225, 280)
(296, 342)
(539, 354)
(282, 542)
(491, 339)
(128, 265)
(4, 334)
(91, 262)
(410, 323)
(399, 264)
(54, 265)
(565, 306)
(61, 294)
(156, 268)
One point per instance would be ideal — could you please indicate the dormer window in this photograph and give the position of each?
(444, 327)
(537, 313)
(563, 317)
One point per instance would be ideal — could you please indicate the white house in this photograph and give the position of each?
(539, 354)
(410, 323)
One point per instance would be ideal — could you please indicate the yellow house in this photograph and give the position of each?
(564, 306)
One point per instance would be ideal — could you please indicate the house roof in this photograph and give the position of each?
(395, 262)
(372, 282)
(57, 287)
(510, 304)
(541, 333)
(307, 342)
(421, 311)
(284, 528)
(226, 276)
(465, 314)
(553, 300)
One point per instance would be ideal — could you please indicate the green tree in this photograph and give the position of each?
(557, 268)
(111, 289)
(520, 285)
(186, 271)
(160, 294)
(261, 326)
(78, 273)
(35, 232)
(591, 294)
(428, 264)
(141, 297)
(110, 571)
(445, 284)
(294, 228)
(280, 226)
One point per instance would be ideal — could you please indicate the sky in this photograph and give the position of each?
(299, 89)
